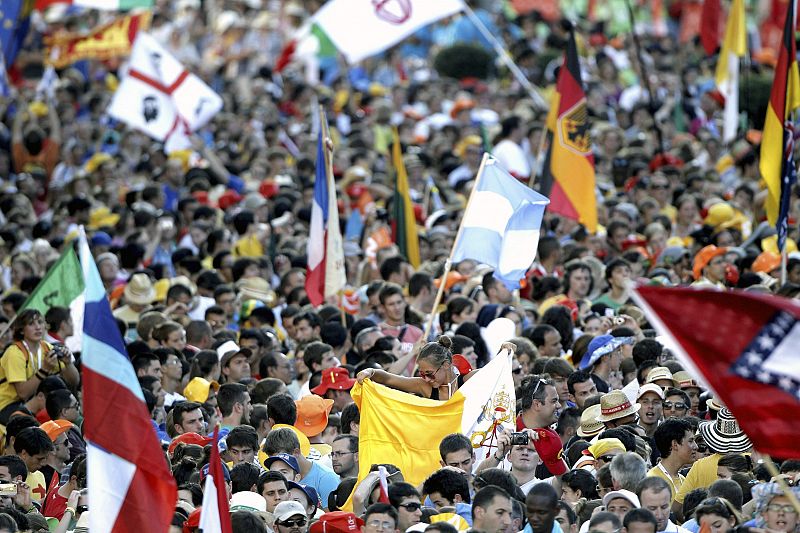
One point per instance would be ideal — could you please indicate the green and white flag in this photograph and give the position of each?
(62, 286)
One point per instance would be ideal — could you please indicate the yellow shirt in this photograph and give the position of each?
(35, 481)
(674, 482)
(17, 366)
(702, 474)
(248, 246)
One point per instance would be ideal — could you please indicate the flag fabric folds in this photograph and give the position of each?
(159, 97)
(777, 144)
(361, 28)
(568, 174)
(410, 437)
(404, 226)
(104, 5)
(501, 224)
(325, 274)
(215, 516)
(110, 40)
(745, 347)
(127, 476)
(62, 286)
(15, 20)
(727, 75)
(709, 25)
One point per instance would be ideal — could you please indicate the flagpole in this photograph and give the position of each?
(776, 475)
(449, 262)
(501, 52)
(784, 261)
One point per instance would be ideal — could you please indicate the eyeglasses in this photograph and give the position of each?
(428, 374)
(606, 458)
(517, 371)
(786, 509)
(411, 507)
(300, 522)
(377, 524)
(659, 186)
(680, 406)
(336, 455)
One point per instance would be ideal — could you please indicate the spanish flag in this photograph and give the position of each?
(404, 227)
(777, 145)
(568, 174)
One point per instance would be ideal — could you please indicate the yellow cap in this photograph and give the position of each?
(197, 389)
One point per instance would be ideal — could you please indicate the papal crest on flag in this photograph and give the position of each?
(158, 96)
(361, 28)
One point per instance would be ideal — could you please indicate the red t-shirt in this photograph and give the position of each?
(54, 505)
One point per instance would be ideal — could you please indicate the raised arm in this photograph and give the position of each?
(401, 383)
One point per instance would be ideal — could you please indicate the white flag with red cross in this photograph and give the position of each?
(159, 97)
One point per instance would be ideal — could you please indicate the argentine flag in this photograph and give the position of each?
(501, 225)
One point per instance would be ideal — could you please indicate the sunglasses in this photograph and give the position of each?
(411, 507)
(606, 458)
(300, 522)
(81, 509)
(680, 406)
(786, 509)
(517, 371)
(428, 374)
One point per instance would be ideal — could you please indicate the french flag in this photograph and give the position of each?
(127, 475)
(325, 275)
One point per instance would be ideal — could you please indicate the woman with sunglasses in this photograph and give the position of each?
(438, 378)
(718, 514)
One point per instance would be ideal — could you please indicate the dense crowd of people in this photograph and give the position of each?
(203, 256)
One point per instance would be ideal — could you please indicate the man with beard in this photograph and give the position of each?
(233, 401)
(344, 456)
(651, 399)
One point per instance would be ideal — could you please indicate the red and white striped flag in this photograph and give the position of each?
(215, 515)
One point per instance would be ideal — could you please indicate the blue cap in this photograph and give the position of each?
(286, 458)
(309, 491)
(600, 346)
(225, 472)
(100, 238)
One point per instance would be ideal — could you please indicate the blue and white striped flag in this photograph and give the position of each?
(5, 86)
(501, 225)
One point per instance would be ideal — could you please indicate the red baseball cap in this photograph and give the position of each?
(188, 438)
(550, 450)
(337, 522)
(337, 378)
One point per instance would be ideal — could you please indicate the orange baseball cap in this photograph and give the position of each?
(766, 262)
(54, 428)
(312, 414)
(704, 257)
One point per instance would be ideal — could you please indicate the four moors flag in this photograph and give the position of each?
(159, 97)
(128, 480)
(777, 145)
(568, 173)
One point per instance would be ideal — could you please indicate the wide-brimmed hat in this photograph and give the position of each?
(685, 380)
(658, 373)
(615, 405)
(590, 426)
(602, 345)
(256, 289)
(312, 414)
(714, 404)
(724, 435)
(139, 290)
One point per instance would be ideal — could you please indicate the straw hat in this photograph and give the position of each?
(590, 426)
(139, 290)
(657, 373)
(256, 289)
(685, 380)
(615, 405)
(724, 435)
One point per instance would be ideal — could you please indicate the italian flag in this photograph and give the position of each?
(105, 5)
(63, 287)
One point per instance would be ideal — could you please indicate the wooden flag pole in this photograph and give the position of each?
(776, 475)
(449, 262)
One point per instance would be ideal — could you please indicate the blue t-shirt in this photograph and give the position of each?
(324, 480)
(556, 528)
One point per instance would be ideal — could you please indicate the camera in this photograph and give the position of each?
(8, 489)
(61, 351)
(519, 439)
